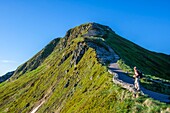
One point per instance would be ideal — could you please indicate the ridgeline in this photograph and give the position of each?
(70, 74)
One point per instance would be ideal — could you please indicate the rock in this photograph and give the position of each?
(75, 84)
(27, 105)
(88, 30)
(66, 71)
(64, 58)
(166, 111)
(104, 53)
(78, 53)
(91, 78)
(67, 84)
(148, 102)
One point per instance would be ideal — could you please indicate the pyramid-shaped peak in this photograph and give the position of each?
(93, 25)
(89, 30)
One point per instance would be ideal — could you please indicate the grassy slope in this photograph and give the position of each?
(152, 63)
(90, 88)
(36, 60)
(146, 81)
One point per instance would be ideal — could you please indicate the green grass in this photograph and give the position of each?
(150, 63)
(90, 88)
(145, 81)
(125, 67)
(89, 85)
(36, 60)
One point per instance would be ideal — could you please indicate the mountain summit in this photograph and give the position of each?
(89, 30)
(70, 74)
(151, 63)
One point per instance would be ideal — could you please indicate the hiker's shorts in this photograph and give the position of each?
(137, 84)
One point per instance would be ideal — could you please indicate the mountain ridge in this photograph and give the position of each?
(157, 67)
(36, 60)
(73, 77)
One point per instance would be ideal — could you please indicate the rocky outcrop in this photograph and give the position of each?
(65, 58)
(104, 53)
(88, 30)
(93, 34)
(78, 53)
(62, 44)
(97, 30)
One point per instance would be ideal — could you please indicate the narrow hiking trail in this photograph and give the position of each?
(118, 76)
(35, 109)
(39, 103)
(121, 76)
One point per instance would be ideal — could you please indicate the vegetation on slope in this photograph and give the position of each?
(149, 82)
(87, 87)
(36, 61)
(151, 63)
(84, 87)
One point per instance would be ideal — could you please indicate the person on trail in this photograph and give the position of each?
(136, 76)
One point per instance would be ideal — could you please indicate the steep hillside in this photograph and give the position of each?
(152, 63)
(155, 64)
(70, 75)
(36, 61)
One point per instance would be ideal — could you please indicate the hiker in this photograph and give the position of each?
(136, 76)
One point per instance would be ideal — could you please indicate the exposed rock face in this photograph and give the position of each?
(88, 30)
(92, 33)
(97, 30)
(78, 53)
(65, 58)
(104, 53)
(62, 43)
(63, 80)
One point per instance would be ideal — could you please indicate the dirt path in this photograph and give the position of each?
(42, 101)
(114, 68)
(35, 109)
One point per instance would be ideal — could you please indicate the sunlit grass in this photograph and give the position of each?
(86, 87)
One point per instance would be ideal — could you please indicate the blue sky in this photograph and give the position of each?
(26, 26)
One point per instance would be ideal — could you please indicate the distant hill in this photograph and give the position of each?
(6, 76)
(70, 75)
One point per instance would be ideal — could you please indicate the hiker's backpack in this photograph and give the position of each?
(140, 74)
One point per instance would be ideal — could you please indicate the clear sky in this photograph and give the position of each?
(26, 26)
